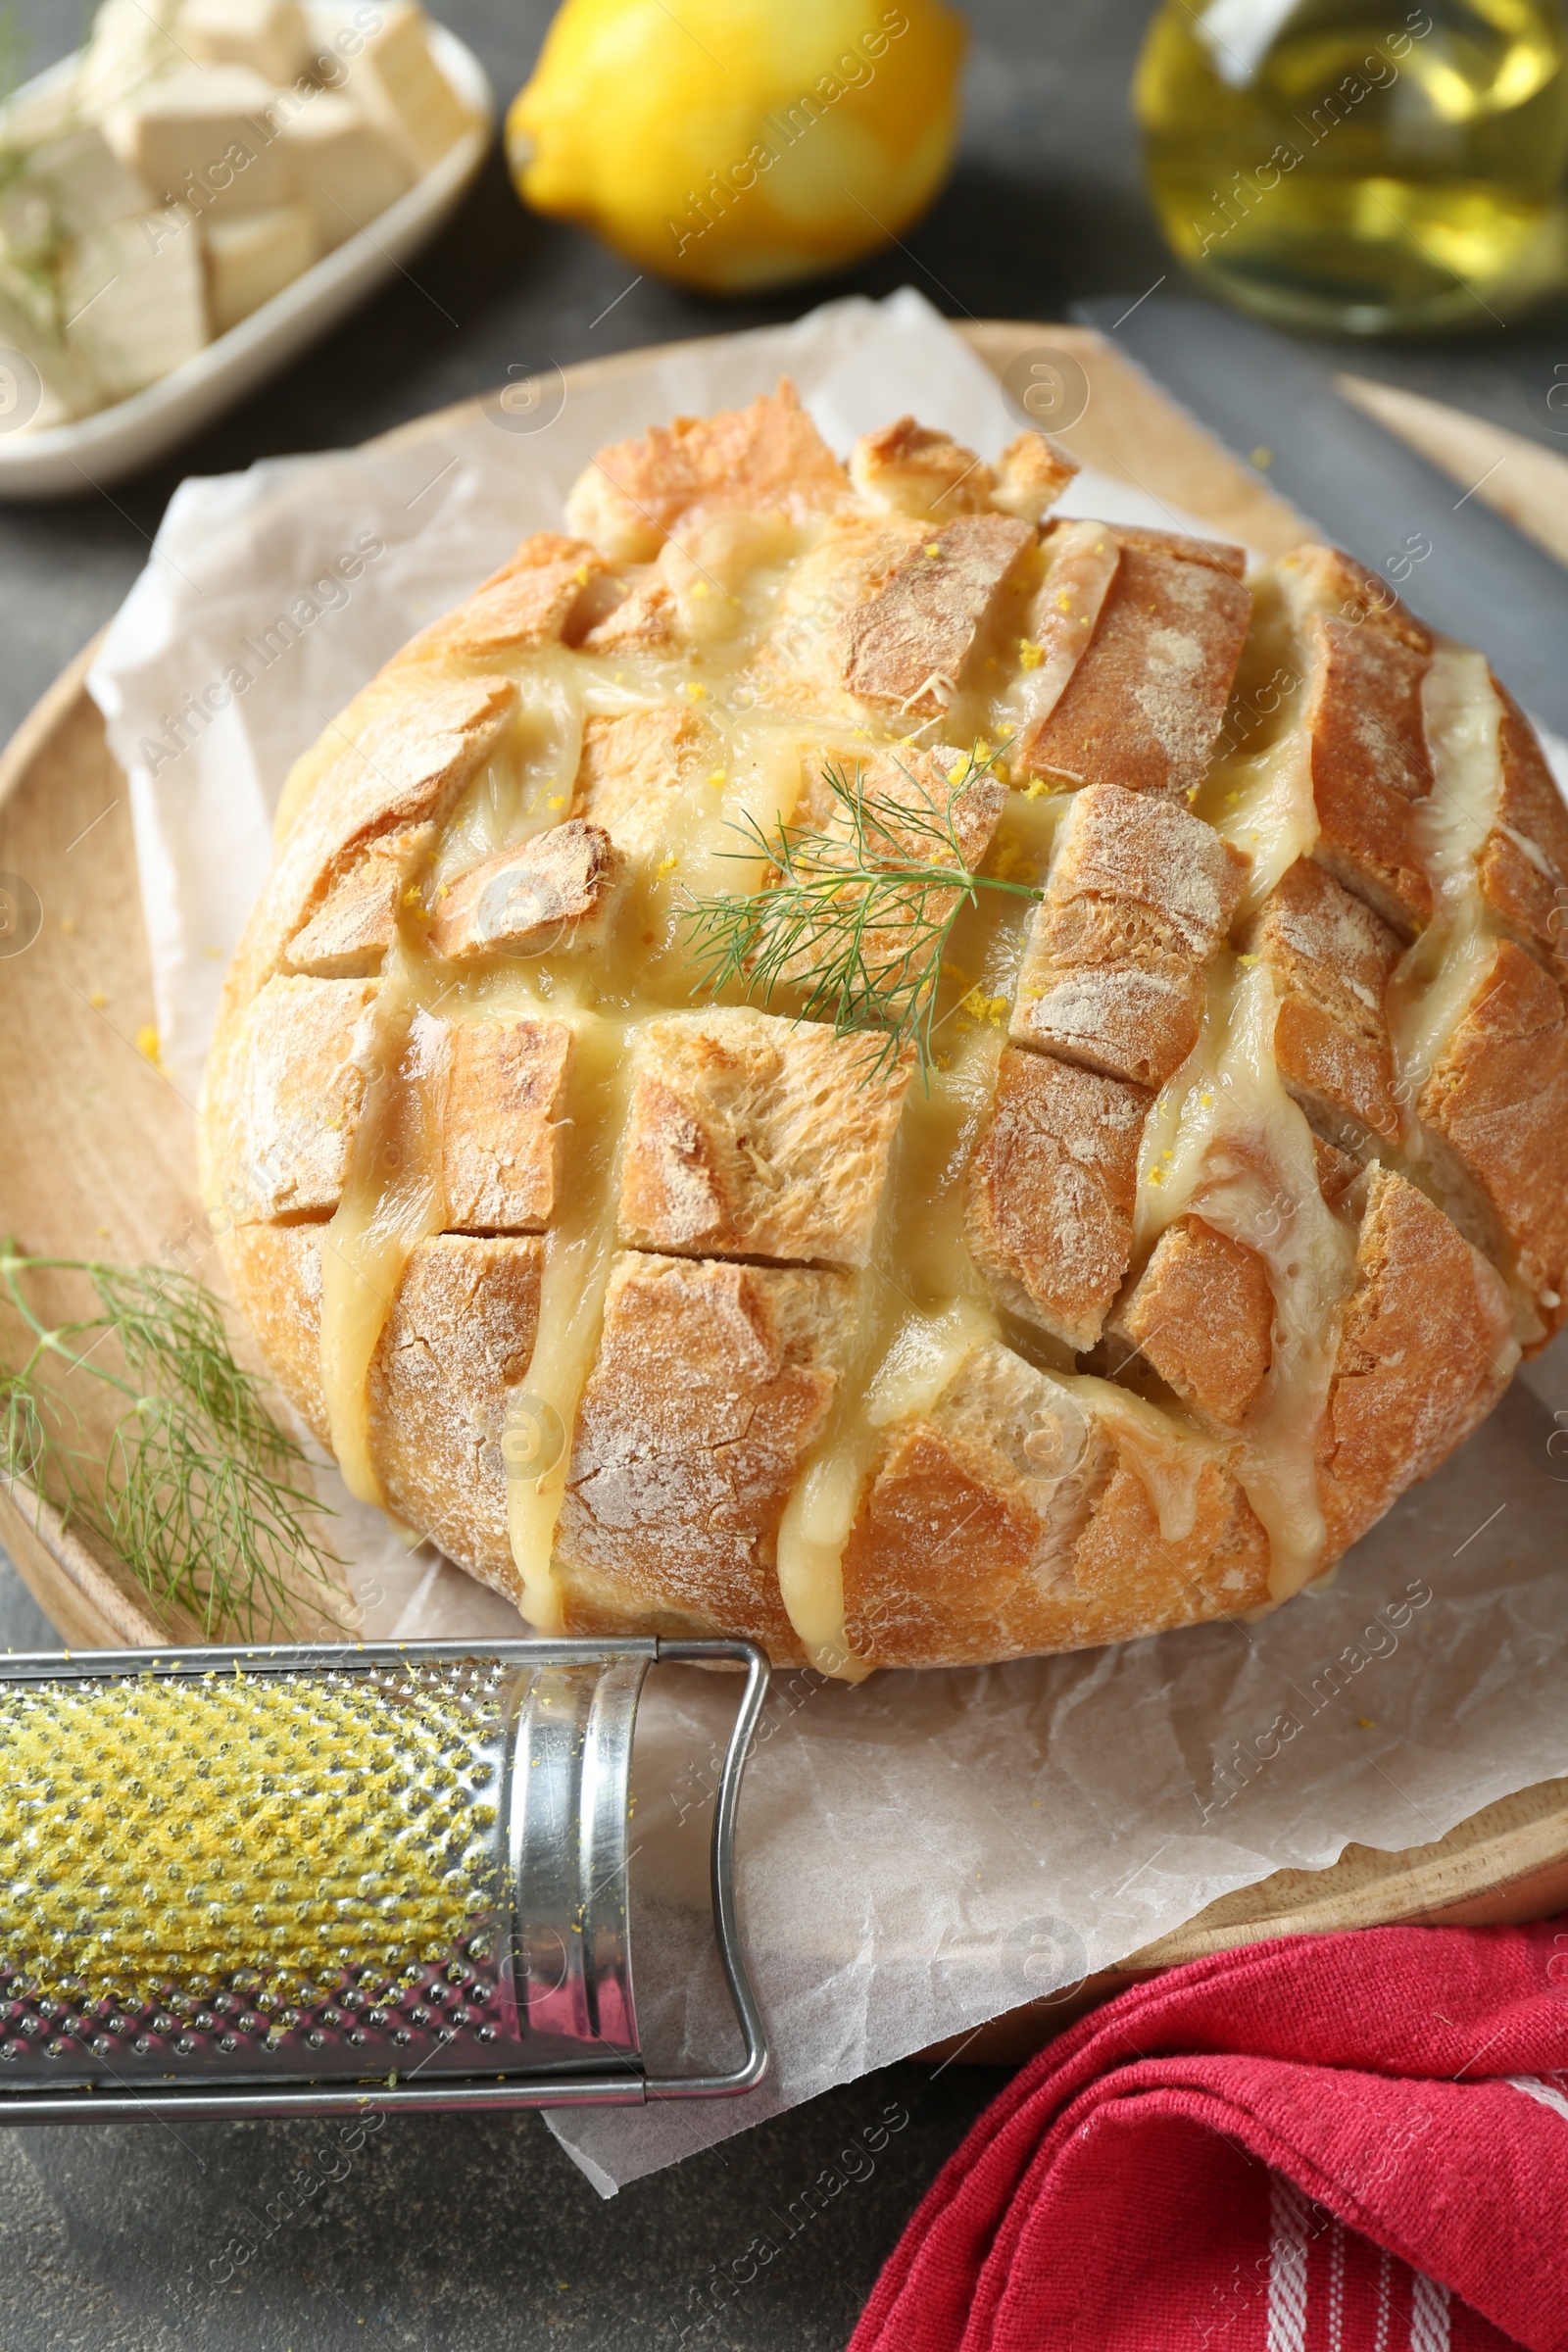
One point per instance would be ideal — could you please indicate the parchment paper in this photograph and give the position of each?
(923, 1852)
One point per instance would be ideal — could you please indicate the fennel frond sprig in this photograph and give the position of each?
(857, 917)
(198, 1489)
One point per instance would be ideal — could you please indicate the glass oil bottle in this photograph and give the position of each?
(1362, 169)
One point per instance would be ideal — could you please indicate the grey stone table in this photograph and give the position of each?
(445, 2233)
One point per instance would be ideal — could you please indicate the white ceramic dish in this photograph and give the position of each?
(70, 459)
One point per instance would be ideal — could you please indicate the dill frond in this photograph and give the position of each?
(198, 1490)
(856, 915)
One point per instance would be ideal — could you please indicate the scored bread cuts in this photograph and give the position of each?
(1237, 1185)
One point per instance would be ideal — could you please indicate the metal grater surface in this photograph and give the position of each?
(181, 1890)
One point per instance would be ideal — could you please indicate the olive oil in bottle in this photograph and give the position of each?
(1356, 168)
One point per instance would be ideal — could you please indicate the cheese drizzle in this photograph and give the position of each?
(1223, 1138)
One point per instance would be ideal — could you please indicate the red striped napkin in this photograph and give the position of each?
(1332, 2143)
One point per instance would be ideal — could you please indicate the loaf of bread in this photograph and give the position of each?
(1232, 1185)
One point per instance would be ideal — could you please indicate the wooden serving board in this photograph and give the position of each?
(97, 1152)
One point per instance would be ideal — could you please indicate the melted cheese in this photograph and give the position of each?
(820, 1513)
(642, 972)
(1258, 794)
(920, 1298)
(1225, 1141)
(727, 591)
(579, 1249)
(392, 1198)
(923, 1359)
(1268, 810)
(921, 1308)
(1223, 1138)
(895, 1378)
(528, 790)
(1081, 564)
(1168, 1457)
(1436, 981)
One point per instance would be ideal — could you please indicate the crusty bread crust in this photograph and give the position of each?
(910, 644)
(1495, 1111)
(750, 1136)
(769, 457)
(1201, 1313)
(279, 1132)
(909, 469)
(1013, 1518)
(1524, 866)
(356, 926)
(407, 770)
(637, 770)
(1426, 1349)
(457, 1339)
(851, 565)
(1371, 768)
(711, 1385)
(1331, 960)
(550, 894)
(1052, 1191)
(1139, 897)
(1074, 1456)
(544, 596)
(501, 1132)
(1144, 707)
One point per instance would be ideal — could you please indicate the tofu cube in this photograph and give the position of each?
(133, 43)
(253, 256)
(133, 300)
(269, 36)
(342, 167)
(28, 233)
(208, 137)
(65, 187)
(41, 382)
(402, 89)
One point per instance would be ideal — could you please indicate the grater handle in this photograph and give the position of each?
(726, 1925)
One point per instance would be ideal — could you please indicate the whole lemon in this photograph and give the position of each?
(737, 144)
